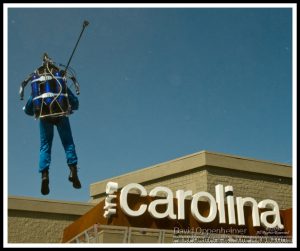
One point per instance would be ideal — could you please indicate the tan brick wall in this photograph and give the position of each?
(257, 186)
(191, 180)
(245, 184)
(195, 180)
(37, 227)
(191, 173)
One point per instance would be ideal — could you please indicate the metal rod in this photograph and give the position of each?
(85, 24)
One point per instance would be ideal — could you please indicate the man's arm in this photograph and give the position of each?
(74, 102)
(28, 108)
(23, 85)
(77, 88)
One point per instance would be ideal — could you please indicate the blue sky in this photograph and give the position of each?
(156, 84)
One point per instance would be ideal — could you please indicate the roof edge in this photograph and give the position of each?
(47, 206)
(192, 161)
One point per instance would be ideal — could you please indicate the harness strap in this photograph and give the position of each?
(44, 78)
(50, 95)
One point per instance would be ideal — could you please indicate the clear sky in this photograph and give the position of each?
(156, 84)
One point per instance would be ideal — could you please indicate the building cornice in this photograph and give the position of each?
(200, 161)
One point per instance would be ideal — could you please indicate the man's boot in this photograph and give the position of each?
(73, 177)
(45, 182)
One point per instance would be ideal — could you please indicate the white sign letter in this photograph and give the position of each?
(111, 188)
(123, 199)
(230, 204)
(212, 203)
(275, 213)
(220, 201)
(181, 195)
(168, 201)
(240, 208)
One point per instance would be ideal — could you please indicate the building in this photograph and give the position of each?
(42, 221)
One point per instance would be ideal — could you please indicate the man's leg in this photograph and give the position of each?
(46, 138)
(65, 133)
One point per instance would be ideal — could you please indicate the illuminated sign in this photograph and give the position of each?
(216, 205)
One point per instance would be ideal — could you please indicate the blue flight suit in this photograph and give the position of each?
(47, 131)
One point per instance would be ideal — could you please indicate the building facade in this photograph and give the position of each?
(42, 221)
